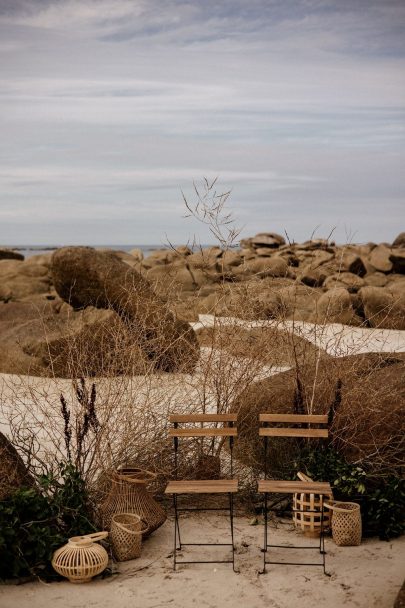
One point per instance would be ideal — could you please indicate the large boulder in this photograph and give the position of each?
(20, 280)
(266, 267)
(10, 254)
(85, 277)
(380, 258)
(365, 395)
(382, 308)
(263, 239)
(13, 472)
(398, 261)
(400, 240)
(335, 306)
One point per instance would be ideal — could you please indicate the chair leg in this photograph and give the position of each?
(176, 531)
(265, 535)
(232, 534)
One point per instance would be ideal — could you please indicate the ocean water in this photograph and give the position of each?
(30, 250)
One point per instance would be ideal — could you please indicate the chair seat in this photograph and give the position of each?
(293, 487)
(202, 486)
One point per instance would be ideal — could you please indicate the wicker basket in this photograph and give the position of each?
(310, 523)
(346, 522)
(128, 494)
(126, 536)
(82, 558)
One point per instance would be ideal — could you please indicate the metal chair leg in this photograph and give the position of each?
(232, 534)
(265, 535)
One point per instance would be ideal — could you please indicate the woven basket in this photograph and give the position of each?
(310, 523)
(126, 536)
(128, 494)
(346, 522)
(82, 558)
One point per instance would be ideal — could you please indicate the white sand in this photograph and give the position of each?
(368, 576)
(336, 339)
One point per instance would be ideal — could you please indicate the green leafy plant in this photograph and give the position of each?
(35, 521)
(385, 508)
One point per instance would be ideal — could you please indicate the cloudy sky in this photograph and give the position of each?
(109, 108)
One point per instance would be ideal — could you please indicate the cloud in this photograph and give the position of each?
(109, 107)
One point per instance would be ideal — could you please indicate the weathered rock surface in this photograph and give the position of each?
(84, 277)
(10, 254)
(382, 308)
(400, 240)
(13, 472)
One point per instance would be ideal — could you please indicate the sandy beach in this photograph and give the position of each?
(368, 576)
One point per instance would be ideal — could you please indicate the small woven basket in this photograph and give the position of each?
(303, 503)
(126, 535)
(81, 558)
(346, 522)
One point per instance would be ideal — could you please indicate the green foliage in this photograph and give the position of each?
(36, 521)
(382, 501)
(347, 480)
(385, 509)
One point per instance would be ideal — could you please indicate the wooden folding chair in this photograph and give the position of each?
(202, 486)
(292, 425)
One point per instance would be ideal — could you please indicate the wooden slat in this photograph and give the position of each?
(307, 418)
(203, 417)
(292, 487)
(286, 432)
(202, 486)
(207, 432)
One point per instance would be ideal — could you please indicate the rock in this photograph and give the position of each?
(351, 262)
(20, 280)
(347, 280)
(231, 258)
(398, 261)
(84, 277)
(368, 418)
(382, 309)
(10, 254)
(375, 279)
(380, 258)
(298, 301)
(176, 277)
(335, 306)
(400, 240)
(316, 244)
(263, 239)
(313, 278)
(13, 472)
(267, 267)
(205, 258)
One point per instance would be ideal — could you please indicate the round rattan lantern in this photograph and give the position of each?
(304, 502)
(346, 523)
(81, 558)
(126, 536)
(128, 494)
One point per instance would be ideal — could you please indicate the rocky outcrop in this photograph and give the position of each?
(85, 277)
(382, 308)
(19, 280)
(10, 254)
(13, 472)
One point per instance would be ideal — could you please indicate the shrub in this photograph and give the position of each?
(36, 521)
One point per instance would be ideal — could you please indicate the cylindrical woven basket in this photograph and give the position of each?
(81, 558)
(126, 535)
(128, 494)
(346, 522)
(310, 523)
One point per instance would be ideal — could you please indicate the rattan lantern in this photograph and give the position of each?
(128, 494)
(81, 558)
(309, 511)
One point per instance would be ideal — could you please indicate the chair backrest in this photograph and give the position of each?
(293, 425)
(203, 431)
(222, 426)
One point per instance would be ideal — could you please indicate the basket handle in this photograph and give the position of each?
(96, 536)
(143, 531)
(303, 477)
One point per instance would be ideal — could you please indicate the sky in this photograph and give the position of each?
(110, 109)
